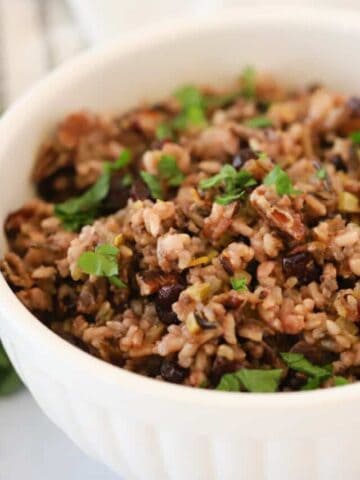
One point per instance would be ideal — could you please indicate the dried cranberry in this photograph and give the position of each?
(354, 106)
(252, 269)
(338, 163)
(139, 191)
(164, 300)
(221, 366)
(325, 142)
(262, 106)
(153, 365)
(59, 186)
(302, 266)
(346, 282)
(294, 380)
(172, 372)
(242, 156)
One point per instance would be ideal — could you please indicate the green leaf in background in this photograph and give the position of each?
(9, 380)
(252, 380)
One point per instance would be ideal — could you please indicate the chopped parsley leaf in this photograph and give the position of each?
(281, 180)
(102, 262)
(234, 184)
(258, 122)
(355, 137)
(239, 284)
(316, 374)
(79, 211)
(248, 83)
(153, 184)
(169, 170)
(321, 173)
(264, 381)
(164, 131)
(340, 381)
(9, 380)
(299, 363)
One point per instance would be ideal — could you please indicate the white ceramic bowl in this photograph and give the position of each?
(142, 428)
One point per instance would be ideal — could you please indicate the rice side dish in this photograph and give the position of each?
(211, 239)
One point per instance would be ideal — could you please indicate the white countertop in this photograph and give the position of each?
(32, 448)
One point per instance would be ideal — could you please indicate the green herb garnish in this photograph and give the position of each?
(193, 106)
(234, 184)
(317, 375)
(281, 180)
(239, 284)
(340, 381)
(297, 362)
(102, 262)
(261, 381)
(9, 380)
(355, 137)
(262, 155)
(127, 180)
(248, 83)
(189, 95)
(153, 184)
(123, 160)
(321, 173)
(169, 170)
(82, 210)
(258, 122)
(218, 101)
(164, 131)
(192, 116)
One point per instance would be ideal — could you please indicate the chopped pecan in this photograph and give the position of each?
(15, 271)
(36, 300)
(265, 201)
(150, 282)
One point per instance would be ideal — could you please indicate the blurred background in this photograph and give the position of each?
(35, 37)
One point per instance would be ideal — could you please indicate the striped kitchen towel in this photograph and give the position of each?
(35, 36)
